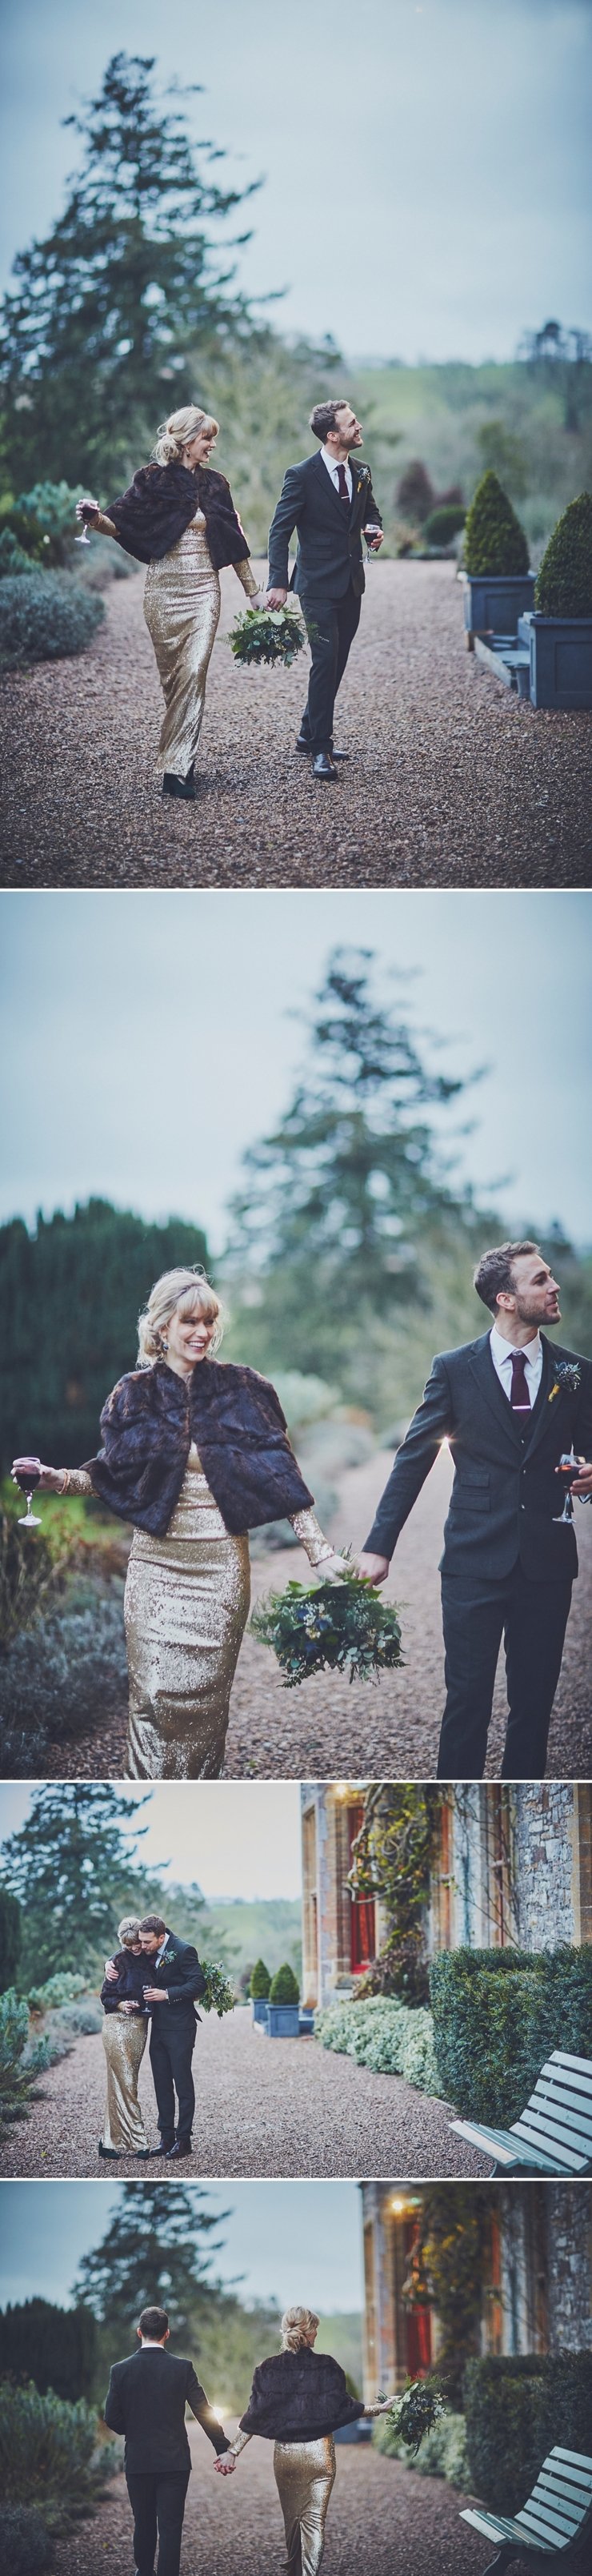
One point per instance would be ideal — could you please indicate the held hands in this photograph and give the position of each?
(275, 598)
(225, 2463)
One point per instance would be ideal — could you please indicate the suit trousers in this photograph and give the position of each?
(331, 626)
(532, 1619)
(172, 2041)
(157, 2500)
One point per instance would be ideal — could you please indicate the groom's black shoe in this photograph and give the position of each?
(165, 2148)
(304, 744)
(323, 765)
(182, 2147)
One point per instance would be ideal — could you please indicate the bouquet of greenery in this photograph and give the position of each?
(217, 1994)
(267, 635)
(332, 1627)
(419, 2407)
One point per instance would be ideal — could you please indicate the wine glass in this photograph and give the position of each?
(84, 540)
(372, 530)
(568, 1467)
(28, 1477)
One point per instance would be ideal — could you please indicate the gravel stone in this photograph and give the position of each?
(451, 779)
(263, 2106)
(330, 1728)
(381, 2517)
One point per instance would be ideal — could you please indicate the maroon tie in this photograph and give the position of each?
(519, 1399)
(343, 490)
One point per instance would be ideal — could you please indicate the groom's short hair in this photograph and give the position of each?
(152, 1923)
(495, 1272)
(323, 416)
(154, 2324)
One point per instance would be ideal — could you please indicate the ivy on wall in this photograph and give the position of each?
(450, 2265)
(392, 1859)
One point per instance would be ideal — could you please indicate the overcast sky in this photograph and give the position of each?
(289, 2240)
(427, 168)
(149, 1037)
(234, 1837)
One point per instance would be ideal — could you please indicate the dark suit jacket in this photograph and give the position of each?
(505, 1497)
(329, 536)
(180, 1971)
(146, 2400)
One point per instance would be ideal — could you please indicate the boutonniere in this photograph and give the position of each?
(167, 1960)
(568, 1375)
(364, 473)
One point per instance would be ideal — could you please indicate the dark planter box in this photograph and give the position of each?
(259, 2008)
(283, 2021)
(560, 659)
(493, 602)
(356, 2432)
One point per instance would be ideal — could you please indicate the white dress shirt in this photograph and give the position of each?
(332, 464)
(502, 1354)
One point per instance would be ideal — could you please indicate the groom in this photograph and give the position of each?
(329, 500)
(176, 1981)
(146, 2401)
(509, 1404)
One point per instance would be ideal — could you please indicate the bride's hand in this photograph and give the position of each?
(258, 599)
(49, 1479)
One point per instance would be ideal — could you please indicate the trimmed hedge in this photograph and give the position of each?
(516, 2408)
(45, 618)
(444, 523)
(392, 2038)
(498, 2014)
(564, 582)
(443, 2454)
(494, 539)
(55, 2347)
(284, 1988)
(260, 1982)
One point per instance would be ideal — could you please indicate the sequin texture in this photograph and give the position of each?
(124, 2041)
(182, 610)
(186, 1606)
(304, 2475)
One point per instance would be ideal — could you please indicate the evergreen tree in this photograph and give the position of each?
(11, 1937)
(337, 1202)
(156, 2252)
(70, 1865)
(55, 2347)
(129, 289)
(71, 1294)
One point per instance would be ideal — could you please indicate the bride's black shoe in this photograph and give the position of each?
(110, 2153)
(174, 786)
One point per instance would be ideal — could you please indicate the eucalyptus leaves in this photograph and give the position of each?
(333, 1627)
(267, 635)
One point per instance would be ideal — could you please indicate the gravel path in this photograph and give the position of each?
(263, 2107)
(330, 1728)
(380, 2517)
(451, 780)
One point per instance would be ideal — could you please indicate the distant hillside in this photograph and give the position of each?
(436, 412)
(267, 1928)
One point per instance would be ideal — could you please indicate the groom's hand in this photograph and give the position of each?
(582, 1483)
(374, 1569)
(276, 598)
(156, 1994)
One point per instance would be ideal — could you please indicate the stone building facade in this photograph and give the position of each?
(537, 2278)
(513, 1865)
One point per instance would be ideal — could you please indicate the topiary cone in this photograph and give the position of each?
(284, 1988)
(564, 583)
(260, 1982)
(495, 543)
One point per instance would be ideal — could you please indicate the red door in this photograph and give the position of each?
(362, 1915)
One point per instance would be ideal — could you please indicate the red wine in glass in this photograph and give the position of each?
(84, 539)
(568, 1467)
(28, 1477)
(371, 531)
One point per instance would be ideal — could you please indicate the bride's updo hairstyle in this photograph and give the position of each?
(128, 1932)
(182, 1292)
(177, 432)
(297, 2325)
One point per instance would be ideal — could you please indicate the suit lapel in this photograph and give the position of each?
(359, 490)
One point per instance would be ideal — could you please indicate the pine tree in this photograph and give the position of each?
(114, 309)
(71, 1866)
(336, 1202)
(85, 1278)
(156, 2252)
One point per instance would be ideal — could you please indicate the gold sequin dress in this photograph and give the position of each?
(182, 610)
(124, 2040)
(304, 2474)
(186, 1605)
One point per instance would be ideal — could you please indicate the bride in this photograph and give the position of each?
(195, 1453)
(178, 517)
(125, 2031)
(298, 2399)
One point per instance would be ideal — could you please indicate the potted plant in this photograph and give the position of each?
(495, 574)
(259, 1990)
(558, 630)
(283, 2019)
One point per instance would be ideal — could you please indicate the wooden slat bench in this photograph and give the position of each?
(554, 2132)
(554, 2521)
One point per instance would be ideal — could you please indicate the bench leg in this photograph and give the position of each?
(508, 2549)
